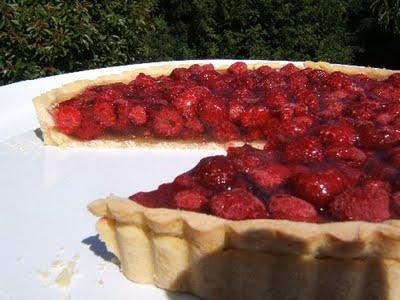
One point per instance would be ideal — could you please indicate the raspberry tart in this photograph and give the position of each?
(183, 105)
(314, 214)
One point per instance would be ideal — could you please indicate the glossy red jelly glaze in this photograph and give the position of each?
(332, 141)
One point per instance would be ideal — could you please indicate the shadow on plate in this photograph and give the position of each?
(99, 248)
(39, 133)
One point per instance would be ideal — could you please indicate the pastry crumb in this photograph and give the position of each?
(56, 263)
(44, 274)
(63, 279)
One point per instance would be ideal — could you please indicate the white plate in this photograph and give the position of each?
(45, 190)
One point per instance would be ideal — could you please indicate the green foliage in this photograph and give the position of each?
(39, 38)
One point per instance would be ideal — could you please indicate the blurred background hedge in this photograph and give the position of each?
(39, 38)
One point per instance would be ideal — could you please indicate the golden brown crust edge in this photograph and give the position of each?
(334, 240)
(213, 262)
(51, 136)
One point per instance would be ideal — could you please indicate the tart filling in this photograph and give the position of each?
(303, 179)
(202, 104)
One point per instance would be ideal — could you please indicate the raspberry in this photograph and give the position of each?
(162, 197)
(180, 74)
(316, 76)
(216, 172)
(187, 101)
(167, 123)
(89, 129)
(122, 112)
(67, 119)
(265, 70)
(212, 110)
(226, 131)
(309, 98)
(104, 114)
(319, 187)
(138, 115)
(286, 207)
(339, 81)
(396, 202)
(297, 81)
(143, 81)
(348, 154)
(394, 80)
(289, 69)
(237, 204)
(382, 91)
(150, 199)
(375, 138)
(337, 134)
(297, 126)
(244, 95)
(276, 99)
(269, 177)
(246, 157)
(185, 181)
(238, 68)
(352, 175)
(304, 150)
(364, 204)
(255, 117)
(107, 93)
(194, 128)
(207, 77)
(376, 183)
(190, 200)
(236, 108)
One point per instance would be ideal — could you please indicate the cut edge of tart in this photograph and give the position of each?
(45, 102)
(216, 258)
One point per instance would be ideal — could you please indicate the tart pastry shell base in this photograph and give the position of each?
(254, 259)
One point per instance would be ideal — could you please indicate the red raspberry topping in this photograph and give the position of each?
(187, 101)
(269, 177)
(238, 68)
(138, 115)
(304, 150)
(67, 119)
(212, 110)
(246, 157)
(226, 131)
(180, 74)
(364, 204)
(122, 112)
(255, 117)
(104, 114)
(190, 200)
(286, 207)
(348, 154)
(373, 138)
(216, 172)
(396, 202)
(319, 187)
(89, 128)
(167, 123)
(237, 204)
(337, 134)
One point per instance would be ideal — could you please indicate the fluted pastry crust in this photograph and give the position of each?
(46, 101)
(252, 259)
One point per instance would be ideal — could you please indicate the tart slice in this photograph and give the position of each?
(288, 222)
(202, 105)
